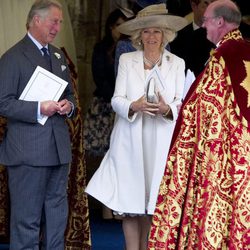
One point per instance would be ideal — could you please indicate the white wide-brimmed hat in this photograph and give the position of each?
(154, 16)
(130, 8)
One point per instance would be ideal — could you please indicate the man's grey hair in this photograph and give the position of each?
(229, 14)
(41, 7)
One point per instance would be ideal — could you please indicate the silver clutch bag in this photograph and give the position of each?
(151, 95)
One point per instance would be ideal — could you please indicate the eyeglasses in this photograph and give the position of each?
(206, 18)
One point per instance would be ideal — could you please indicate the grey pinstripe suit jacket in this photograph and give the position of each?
(26, 141)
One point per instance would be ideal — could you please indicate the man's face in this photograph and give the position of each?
(210, 22)
(199, 9)
(48, 26)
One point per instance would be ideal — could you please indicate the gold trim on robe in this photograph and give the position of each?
(204, 197)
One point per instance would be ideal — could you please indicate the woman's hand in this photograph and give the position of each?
(141, 105)
(163, 107)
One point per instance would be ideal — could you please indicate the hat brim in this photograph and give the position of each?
(174, 23)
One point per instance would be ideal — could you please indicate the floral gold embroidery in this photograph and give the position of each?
(246, 83)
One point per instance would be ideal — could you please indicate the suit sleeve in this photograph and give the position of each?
(12, 82)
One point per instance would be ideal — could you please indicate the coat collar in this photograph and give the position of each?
(167, 62)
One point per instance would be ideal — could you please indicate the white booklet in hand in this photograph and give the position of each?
(43, 86)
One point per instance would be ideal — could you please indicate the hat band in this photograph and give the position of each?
(153, 11)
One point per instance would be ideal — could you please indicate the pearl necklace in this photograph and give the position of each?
(150, 63)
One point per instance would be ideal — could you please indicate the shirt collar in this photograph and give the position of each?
(39, 46)
(195, 26)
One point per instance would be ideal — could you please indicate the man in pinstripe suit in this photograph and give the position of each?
(37, 156)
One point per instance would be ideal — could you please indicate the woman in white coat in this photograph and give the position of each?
(149, 87)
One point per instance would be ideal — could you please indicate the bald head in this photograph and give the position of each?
(226, 9)
(228, 3)
(221, 17)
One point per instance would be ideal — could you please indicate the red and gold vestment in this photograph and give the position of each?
(204, 197)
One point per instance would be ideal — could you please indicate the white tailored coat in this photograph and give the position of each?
(119, 182)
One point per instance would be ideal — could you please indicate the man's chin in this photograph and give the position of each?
(51, 38)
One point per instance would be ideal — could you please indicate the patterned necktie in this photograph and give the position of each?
(47, 58)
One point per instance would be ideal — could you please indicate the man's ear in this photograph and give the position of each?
(36, 19)
(220, 21)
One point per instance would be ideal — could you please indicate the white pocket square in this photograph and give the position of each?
(63, 67)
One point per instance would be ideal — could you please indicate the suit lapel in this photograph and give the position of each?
(32, 53)
(55, 62)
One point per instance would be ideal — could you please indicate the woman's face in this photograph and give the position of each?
(151, 39)
(115, 33)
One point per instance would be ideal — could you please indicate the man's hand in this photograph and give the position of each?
(64, 107)
(49, 108)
